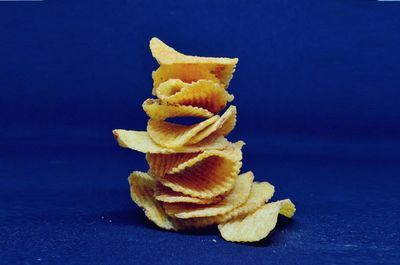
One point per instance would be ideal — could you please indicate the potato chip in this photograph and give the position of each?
(173, 135)
(204, 175)
(166, 194)
(257, 225)
(159, 111)
(140, 141)
(186, 72)
(142, 186)
(205, 94)
(175, 65)
(260, 193)
(167, 55)
(223, 126)
(237, 196)
(161, 164)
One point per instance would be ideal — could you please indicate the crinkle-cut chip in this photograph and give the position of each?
(141, 141)
(204, 175)
(175, 65)
(236, 197)
(205, 94)
(257, 225)
(161, 164)
(235, 150)
(167, 55)
(260, 193)
(173, 135)
(223, 126)
(166, 194)
(160, 111)
(185, 72)
(142, 186)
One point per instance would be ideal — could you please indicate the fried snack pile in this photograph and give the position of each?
(194, 177)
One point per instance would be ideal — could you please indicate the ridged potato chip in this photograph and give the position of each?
(204, 175)
(237, 196)
(140, 141)
(175, 65)
(167, 55)
(205, 94)
(257, 225)
(165, 194)
(159, 111)
(186, 72)
(223, 126)
(142, 186)
(260, 193)
(161, 164)
(173, 135)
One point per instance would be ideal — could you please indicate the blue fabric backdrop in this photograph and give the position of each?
(317, 92)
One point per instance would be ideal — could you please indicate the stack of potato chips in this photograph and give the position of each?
(194, 175)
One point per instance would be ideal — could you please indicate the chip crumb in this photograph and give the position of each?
(213, 240)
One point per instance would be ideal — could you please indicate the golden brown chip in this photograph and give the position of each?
(142, 186)
(237, 196)
(185, 72)
(223, 126)
(205, 94)
(257, 225)
(260, 193)
(167, 55)
(175, 135)
(141, 141)
(175, 65)
(166, 194)
(159, 111)
(204, 175)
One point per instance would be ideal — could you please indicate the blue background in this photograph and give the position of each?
(317, 91)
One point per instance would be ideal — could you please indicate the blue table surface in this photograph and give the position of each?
(67, 201)
(317, 92)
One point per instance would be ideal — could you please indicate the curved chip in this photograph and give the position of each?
(260, 193)
(204, 175)
(140, 141)
(166, 194)
(257, 225)
(159, 111)
(167, 55)
(142, 186)
(185, 72)
(223, 126)
(205, 94)
(237, 196)
(175, 65)
(173, 135)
